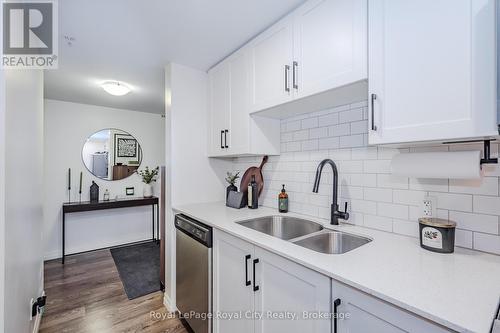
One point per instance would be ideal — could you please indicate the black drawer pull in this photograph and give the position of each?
(221, 139)
(247, 281)
(255, 287)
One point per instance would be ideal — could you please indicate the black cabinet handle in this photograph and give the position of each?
(255, 287)
(247, 281)
(221, 142)
(336, 304)
(225, 138)
(287, 69)
(294, 75)
(373, 98)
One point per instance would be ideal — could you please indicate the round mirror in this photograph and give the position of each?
(112, 154)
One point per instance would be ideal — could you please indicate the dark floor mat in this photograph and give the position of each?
(139, 268)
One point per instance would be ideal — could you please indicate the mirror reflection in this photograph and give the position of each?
(112, 154)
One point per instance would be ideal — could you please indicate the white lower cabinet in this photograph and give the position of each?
(256, 291)
(358, 312)
(250, 282)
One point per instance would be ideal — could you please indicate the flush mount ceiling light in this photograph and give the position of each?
(115, 88)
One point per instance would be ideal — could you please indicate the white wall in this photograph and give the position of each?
(23, 200)
(2, 197)
(376, 198)
(192, 176)
(67, 126)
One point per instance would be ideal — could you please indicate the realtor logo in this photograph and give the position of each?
(29, 34)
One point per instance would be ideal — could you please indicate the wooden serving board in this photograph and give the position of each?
(253, 171)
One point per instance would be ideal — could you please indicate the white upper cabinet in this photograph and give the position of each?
(239, 105)
(219, 103)
(270, 66)
(431, 70)
(319, 47)
(330, 45)
(232, 131)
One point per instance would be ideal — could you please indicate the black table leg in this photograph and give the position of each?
(153, 220)
(63, 235)
(158, 222)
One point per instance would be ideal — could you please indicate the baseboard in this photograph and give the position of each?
(168, 303)
(72, 250)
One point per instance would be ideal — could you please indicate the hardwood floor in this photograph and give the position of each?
(86, 295)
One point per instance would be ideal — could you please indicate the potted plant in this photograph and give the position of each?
(148, 177)
(231, 179)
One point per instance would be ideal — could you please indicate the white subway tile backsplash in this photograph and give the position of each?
(423, 184)
(408, 197)
(364, 153)
(375, 197)
(351, 192)
(405, 227)
(378, 222)
(293, 146)
(320, 132)
(310, 145)
(286, 137)
(378, 166)
(350, 166)
(329, 143)
(309, 123)
(391, 181)
(340, 154)
(329, 119)
(363, 206)
(487, 205)
(463, 238)
(484, 186)
(378, 194)
(359, 127)
(392, 210)
(364, 179)
(487, 243)
(292, 126)
(300, 135)
(458, 202)
(351, 115)
(475, 222)
(339, 130)
(351, 141)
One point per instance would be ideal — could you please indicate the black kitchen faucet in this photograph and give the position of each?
(335, 213)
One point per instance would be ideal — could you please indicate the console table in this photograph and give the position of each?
(87, 206)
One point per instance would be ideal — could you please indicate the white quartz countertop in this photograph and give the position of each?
(460, 291)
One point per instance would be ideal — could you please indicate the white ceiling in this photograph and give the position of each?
(132, 40)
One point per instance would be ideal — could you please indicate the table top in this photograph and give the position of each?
(77, 206)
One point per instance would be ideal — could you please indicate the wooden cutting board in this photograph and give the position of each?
(253, 171)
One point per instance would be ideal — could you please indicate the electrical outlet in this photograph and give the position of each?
(429, 207)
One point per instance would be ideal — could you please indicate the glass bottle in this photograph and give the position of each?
(283, 201)
(253, 194)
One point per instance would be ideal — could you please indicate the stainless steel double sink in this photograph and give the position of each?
(305, 233)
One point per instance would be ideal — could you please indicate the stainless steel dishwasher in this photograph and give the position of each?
(194, 272)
